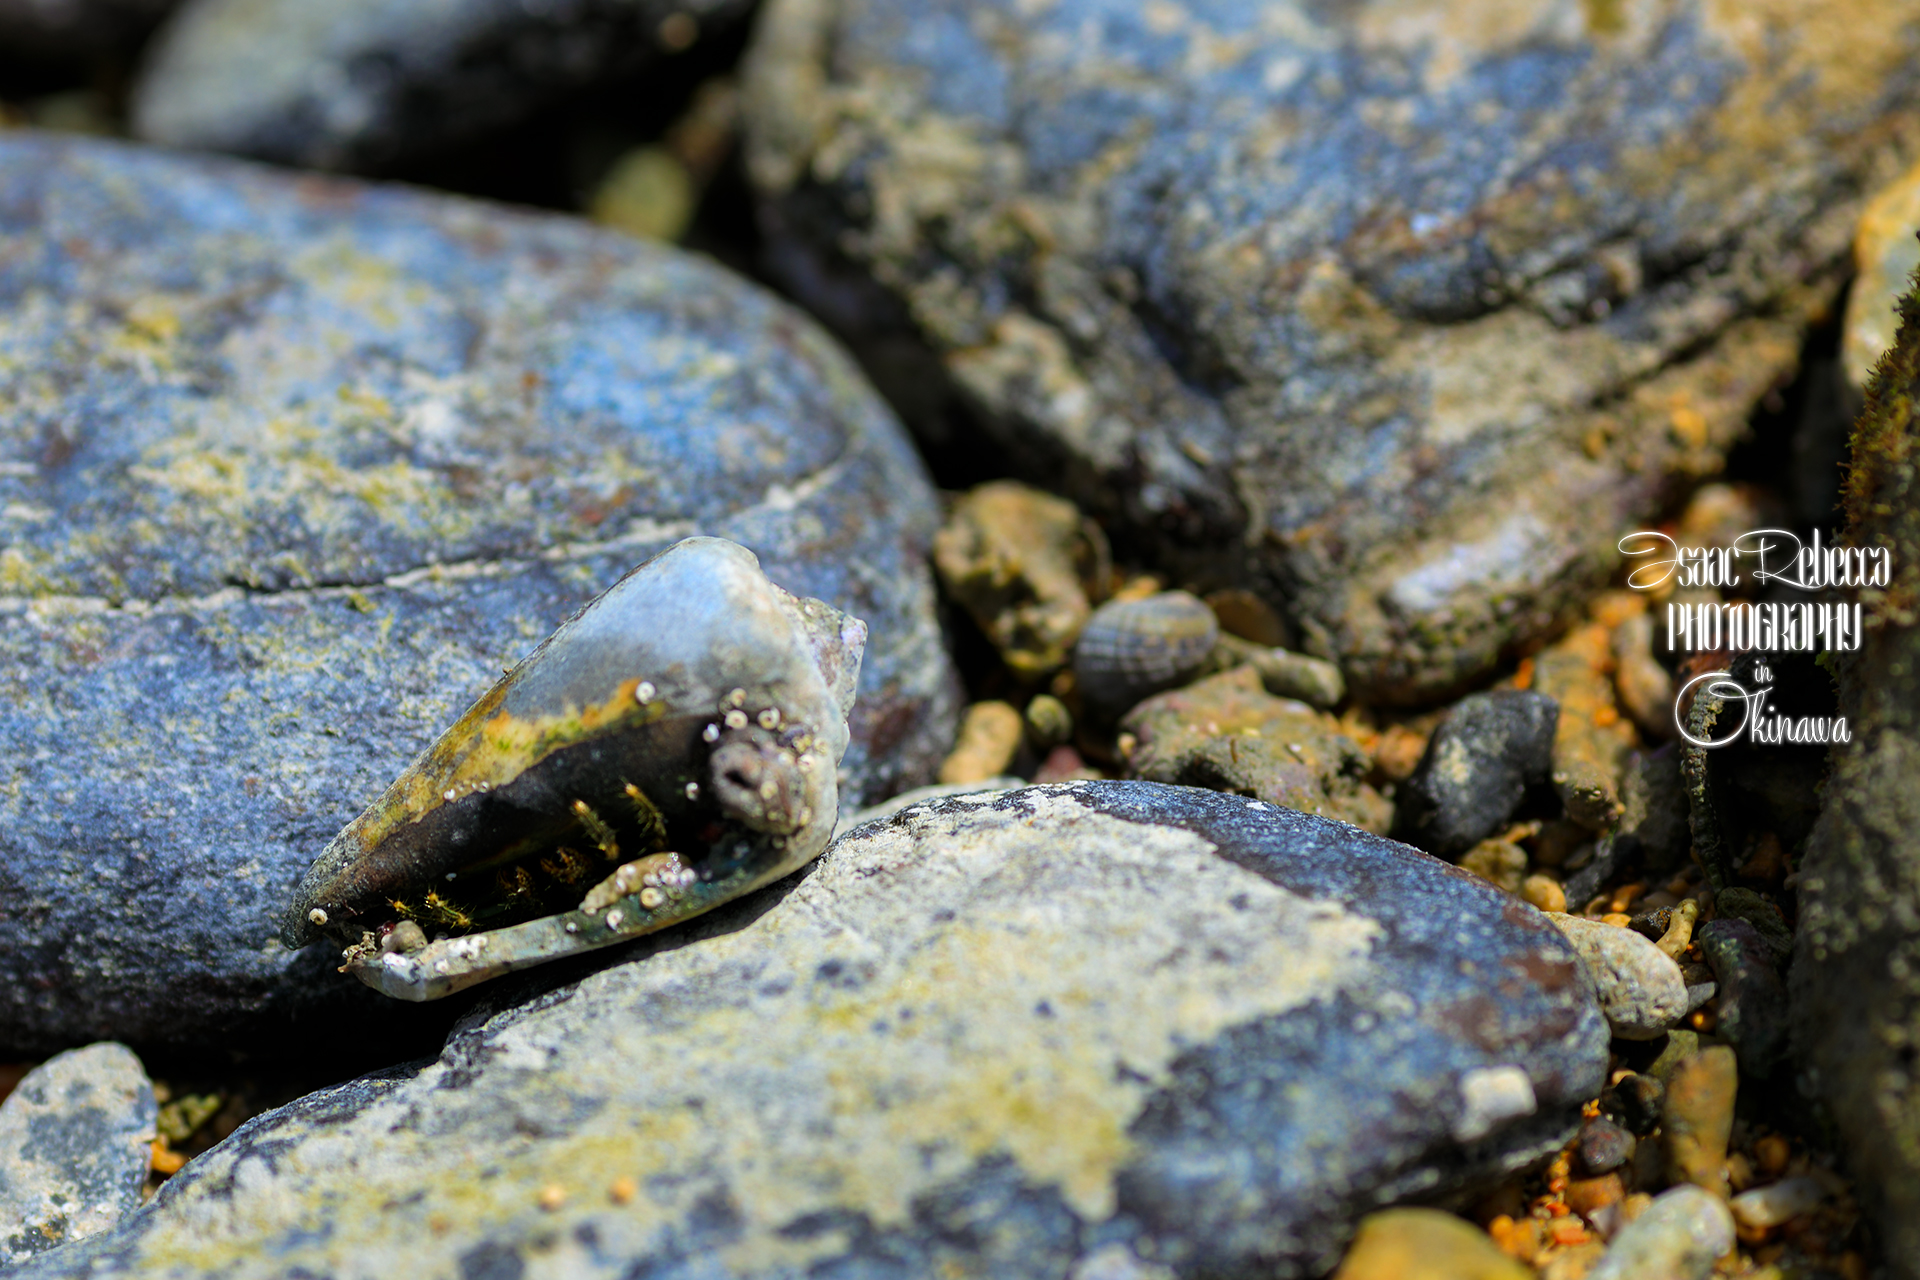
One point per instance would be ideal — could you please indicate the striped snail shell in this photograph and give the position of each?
(1132, 649)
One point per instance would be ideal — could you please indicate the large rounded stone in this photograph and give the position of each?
(990, 1035)
(1406, 312)
(290, 469)
(362, 84)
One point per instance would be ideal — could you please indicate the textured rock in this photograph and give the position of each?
(1479, 762)
(1412, 310)
(1226, 733)
(358, 84)
(1678, 1237)
(291, 468)
(1698, 1117)
(1424, 1244)
(1604, 1146)
(1855, 981)
(1752, 1009)
(1638, 985)
(1314, 681)
(74, 1143)
(993, 1035)
(1885, 252)
(1591, 739)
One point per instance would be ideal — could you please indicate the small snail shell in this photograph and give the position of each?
(1132, 649)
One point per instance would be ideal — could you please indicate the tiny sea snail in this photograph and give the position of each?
(671, 746)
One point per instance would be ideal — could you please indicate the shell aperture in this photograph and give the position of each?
(671, 746)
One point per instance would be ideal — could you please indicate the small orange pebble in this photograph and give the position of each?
(1618, 919)
(1587, 1196)
(1772, 1153)
(552, 1196)
(1701, 1021)
(163, 1160)
(1515, 1239)
(1523, 674)
(1568, 1230)
(1604, 715)
(1739, 1172)
(1624, 897)
(623, 1190)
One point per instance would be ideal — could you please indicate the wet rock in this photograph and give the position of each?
(1698, 1117)
(1604, 1146)
(1262, 1025)
(1752, 1008)
(1132, 649)
(989, 737)
(1636, 1100)
(1276, 285)
(1477, 767)
(1226, 733)
(1020, 561)
(1885, 253)
(1854, 983)
(1591, 740)
(1770, 1206)
(305, 463)
(363, 84)
(77, 28)
(75, 1136)
(1285, 675)
(1678, 1237)
(1639, 988)
(1654, 808)
(1424, 1244)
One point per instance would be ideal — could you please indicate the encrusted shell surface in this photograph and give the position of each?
(1132, 649)
(671, 746)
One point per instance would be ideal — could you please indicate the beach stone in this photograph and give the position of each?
(1604, 1146)
(1638, 985)
(1855, 979)
(1698, 1117)
(1424, 1244)
(75, 1139)
(1752, 1009)
(1636, 1100)
(1226, 733)
(360, 85)
(1406, 314)
(1482, 757)
(291, 468)
(1677, 1237)
(992, 1035)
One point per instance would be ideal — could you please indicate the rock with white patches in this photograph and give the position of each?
(290, 468)
(1096, 1029)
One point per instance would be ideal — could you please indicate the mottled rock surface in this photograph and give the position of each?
(1679, 1237)
(1226, 733)
(1855, 981)
(74, 1145)
(360, 84)
(1639, 987)
(996, 1035)
(1478, 764)
(1411, 310)
(291, 468)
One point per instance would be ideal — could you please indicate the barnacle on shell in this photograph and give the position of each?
(671, 746)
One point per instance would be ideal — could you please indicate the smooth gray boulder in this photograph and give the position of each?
(75, 1140)
(290, 469)
(1004, 1035)
(1402, 314)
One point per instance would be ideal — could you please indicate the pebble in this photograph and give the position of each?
(1019, 561)
(1639, 987)
(1744, 904)
(1049, 723)
(1678, 1237)
(1132, 649)
(1644, 687)
(1591, 740)
(1636, 1100)
(75, 1137)
(1482, 757)
(1227, 733)
(1064, 764)
(313, 526)
(1257, 1022)
(368, 84)
(1466, 402)
(1604, 1146)
(1752, 1008)
(1424, 1244)
(1769, 1206)
(1285, 675)
(990, 734)
(1544, 892)
(1498, 862)
(1698, 1118)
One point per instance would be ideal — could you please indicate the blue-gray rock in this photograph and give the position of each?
(290, 469)
(1479, 762)
(75, 1139)
(363, 84)
(991, 1035)
(1405, 314)
(1751, 1013)
(1604, 1146)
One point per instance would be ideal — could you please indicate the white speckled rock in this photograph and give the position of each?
(1678, 1238)
(74, 1138)
(1097, 1028)
(1639, 986)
